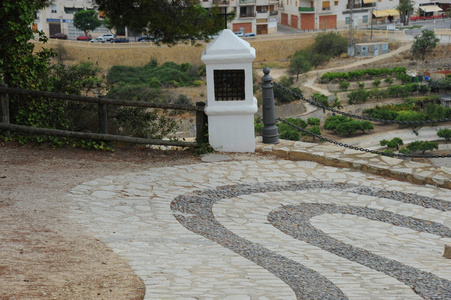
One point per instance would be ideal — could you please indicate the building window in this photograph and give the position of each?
(336, 3)
(365, 19)
(347, 20)
(53, 8)
(326, 5)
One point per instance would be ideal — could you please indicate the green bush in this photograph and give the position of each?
(421, 146)
(313, 121)
(358, 96)
(284, 97)
(287, 132)
(393, 143)
(154, 83)
(376, 82)
(346, 126)
(344, 85)
(444, 133)
(167, 74)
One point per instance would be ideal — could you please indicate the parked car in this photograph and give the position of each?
(239, 33)
(250, 34)
(121, 40)
(60, 36)
(84, 38)
(109, 37)
(147, 38)
(99, 40)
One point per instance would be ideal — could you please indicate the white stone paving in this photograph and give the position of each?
(132, 214)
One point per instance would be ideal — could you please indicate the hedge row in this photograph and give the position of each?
(357, 74)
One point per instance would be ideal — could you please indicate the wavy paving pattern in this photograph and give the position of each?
(195, 213)
(255, 229)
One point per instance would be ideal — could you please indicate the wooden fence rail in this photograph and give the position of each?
(102, 103)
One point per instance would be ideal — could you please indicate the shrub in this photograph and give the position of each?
(285, 97)
(154, 83)
(313, 121)
(358, 96)
(198, 82)
(376, 82)
(287, 132)
(346, 126)
(444, 133)
(421, 146)
(344, 85)
(393, 143)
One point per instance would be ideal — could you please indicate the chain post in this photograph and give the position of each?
(270, 132)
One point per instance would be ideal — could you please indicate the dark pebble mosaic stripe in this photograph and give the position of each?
(194, 211)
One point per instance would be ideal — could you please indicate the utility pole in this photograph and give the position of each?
(351, 29)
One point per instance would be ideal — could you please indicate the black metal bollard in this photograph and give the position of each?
(270, 132)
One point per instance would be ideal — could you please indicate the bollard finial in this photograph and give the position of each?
(266, 78)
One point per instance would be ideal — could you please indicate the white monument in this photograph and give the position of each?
(231, 104)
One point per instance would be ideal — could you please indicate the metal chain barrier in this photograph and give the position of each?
(317, 104)
(359, 148)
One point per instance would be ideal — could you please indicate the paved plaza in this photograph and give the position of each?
(242, 228)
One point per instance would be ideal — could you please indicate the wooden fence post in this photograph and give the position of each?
(201, 124)
(5, 108)
(103, 118)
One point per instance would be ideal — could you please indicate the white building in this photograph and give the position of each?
(58, 17)
(257, 16)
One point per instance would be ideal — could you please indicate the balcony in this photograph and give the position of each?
(248, 2)
(273, 13)
(221, 2)
(306, 9)
(248, 15)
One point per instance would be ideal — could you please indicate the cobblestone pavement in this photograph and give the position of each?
(273, 229)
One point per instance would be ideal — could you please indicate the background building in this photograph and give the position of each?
(257, 16)
(336, 14)
(58, 17)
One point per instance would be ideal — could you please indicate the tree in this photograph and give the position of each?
(424, 43)
(404, 8)
(330, 44)
(299, 63)
(422, 146)
(20, 66)
(410, 115)
(86, 20)
(167, 21)
(445, 133)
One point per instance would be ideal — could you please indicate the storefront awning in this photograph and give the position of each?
(392, 12)
(430, 8)
(380, 13)
(368, 1)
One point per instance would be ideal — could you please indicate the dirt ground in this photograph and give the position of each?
(43, 254)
